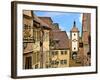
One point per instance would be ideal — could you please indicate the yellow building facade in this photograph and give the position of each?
(59, 50)
(59, 58)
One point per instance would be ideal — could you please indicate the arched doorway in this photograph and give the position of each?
(74, 55)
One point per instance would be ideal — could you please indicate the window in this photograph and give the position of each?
(61, 61)
(65, 52)
(74, 48)
(47, 66)
(61, 52)
(74, 34)
(54, 62)
(54, 53)
(26, 26)
(57, 62)
(65, 61)
(27, 33)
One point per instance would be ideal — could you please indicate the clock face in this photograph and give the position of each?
(74, 36)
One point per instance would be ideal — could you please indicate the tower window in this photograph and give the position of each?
(74, 48)
(74, 34)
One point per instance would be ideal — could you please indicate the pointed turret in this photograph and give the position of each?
(74, 29)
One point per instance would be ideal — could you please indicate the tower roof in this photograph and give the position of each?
(74, 29)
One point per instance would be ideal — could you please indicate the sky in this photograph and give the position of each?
(64, 19)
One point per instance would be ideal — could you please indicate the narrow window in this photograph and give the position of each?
(61, 52)
(74, 48)
(56, 53)
(61, 61)
(65, 52)
(65, 61)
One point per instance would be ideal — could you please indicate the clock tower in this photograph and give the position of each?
(74, 41)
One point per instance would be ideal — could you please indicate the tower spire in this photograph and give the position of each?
(74, 24)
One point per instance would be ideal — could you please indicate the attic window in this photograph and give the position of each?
(74, 34)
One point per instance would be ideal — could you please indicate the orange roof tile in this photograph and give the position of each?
(63, 39)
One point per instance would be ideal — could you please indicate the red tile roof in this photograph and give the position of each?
(62, 37)
(42, 23)
(47, 20)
